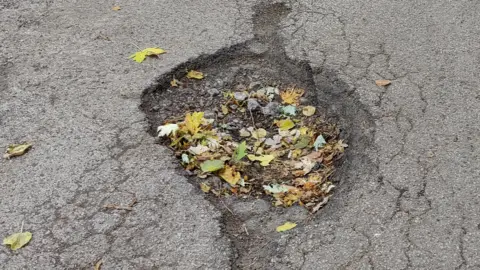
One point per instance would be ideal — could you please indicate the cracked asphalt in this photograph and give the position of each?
(408, 196)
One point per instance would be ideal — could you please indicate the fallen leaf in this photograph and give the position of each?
(302, 142)
(116, 8)
(274, 142)
(285, 124)
(230, 175)
(212, 165)
(286, 226)
(193, 121)
(17, 240)
(198, 150)
(319, 142)
(193, 74)
(244, 133)
(292, 95)
(167, 129)
(98, 265)
(224, 109)
(308, 110)
(174, 82)
(15, 150)
(259, 133)
(141, 55)
(264, 159)
(275, 188)
(240, 151)
(185, 158)
(289, 110)
(383, 82)
(205, 187)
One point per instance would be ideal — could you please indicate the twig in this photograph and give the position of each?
(118, 207)
(129, 207)
(21, 227)
(231, 212)
(246, 231)
(253, 121)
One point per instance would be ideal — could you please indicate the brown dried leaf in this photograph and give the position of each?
(383, 82)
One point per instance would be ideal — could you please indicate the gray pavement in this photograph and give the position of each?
(408, 196)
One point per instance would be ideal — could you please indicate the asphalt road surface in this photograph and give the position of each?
(408, 192)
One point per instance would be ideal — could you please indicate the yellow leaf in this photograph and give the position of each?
(292, 95)
(193, 121)
(141, 55)
(286, 226)
(285, 124)
(174, 82)
(193, 74)
(14, 150)
(264, 159)
(230, 175)
(308, 110)
(17, 240)
(205, 187)
(383, 82)
(98, 265)
(224, 109)
(116, 8)
(259, 133)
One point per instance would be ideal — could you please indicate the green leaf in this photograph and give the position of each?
(285, 124)
(212, 165)
(286, 226)
(275, 188)
(17, 240)
(240, 152)
(264, 159)
(289, 110)
(15, 150)
(302, 142)
(319, 142)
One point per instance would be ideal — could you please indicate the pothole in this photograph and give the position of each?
(244, 70)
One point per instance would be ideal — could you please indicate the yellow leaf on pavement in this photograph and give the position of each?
(264, 159)
(285, 124)
(292, 95)
(17, 240)
(98, 265)
(174, 82)
(141, 55)
(193, 121)
(308, 110)
(193, 74)
(286, 226)
(116, 8)
(205, 187)
(383, 82)
(14, 150)
(230, 175)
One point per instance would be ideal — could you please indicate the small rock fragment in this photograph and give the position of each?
(240, 88)
(271, 108)
(213, 91)
(252, 104)
(254, 86)
(240, 96)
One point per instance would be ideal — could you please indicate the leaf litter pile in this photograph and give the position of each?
(259, 140)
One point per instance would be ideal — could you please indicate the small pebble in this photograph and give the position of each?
(240, 96)
(240, 88)
(213, 91)
(252, 104)
(271, 108)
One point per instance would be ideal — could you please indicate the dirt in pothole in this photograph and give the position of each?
(258, 130)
